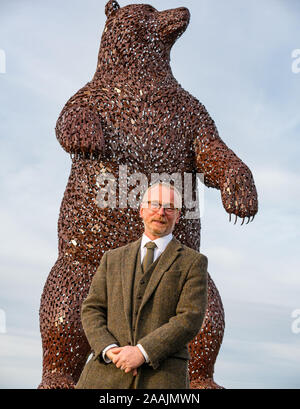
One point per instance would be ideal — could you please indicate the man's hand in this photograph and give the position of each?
(127, 358)
(111, 353)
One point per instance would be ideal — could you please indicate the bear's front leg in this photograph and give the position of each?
(79, 131)
(238, 191)
(223, 170)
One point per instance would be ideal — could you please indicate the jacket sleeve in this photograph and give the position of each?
(94, 312)
(184, 326)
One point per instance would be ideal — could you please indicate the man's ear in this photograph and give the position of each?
(178, 217)
(111, 7)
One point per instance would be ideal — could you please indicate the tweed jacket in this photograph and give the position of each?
(170, 316)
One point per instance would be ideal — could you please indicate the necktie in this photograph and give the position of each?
(148, 258)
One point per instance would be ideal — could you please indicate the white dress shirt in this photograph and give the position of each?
(161, 244)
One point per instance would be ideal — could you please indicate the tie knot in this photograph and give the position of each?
(150, 245)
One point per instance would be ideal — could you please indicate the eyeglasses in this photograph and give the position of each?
(155, 206)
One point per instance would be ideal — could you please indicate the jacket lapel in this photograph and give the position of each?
(165, 261)
(127, 272)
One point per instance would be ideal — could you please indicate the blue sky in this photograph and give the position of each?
(236, 58)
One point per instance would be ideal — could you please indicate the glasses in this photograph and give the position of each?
(155, 206)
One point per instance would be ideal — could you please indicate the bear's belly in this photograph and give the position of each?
(94, 218)
(150, 149)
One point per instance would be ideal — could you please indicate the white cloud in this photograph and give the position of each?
(279, 186)
(245, 362)
(20, 355)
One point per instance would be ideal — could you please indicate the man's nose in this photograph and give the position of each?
(161, 210)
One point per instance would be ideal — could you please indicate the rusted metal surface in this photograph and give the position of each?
(132, 113)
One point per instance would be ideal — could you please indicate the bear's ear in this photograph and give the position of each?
(111, 7)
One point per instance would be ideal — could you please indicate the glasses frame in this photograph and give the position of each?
(168, 210)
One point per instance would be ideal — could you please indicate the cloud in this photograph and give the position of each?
(258, 347)
(279, 185)
(245, 362)
(21, 363)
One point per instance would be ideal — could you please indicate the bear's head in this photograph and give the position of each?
(140, 32)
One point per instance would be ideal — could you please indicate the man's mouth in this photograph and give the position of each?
(159, 221)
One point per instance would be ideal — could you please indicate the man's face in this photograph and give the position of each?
(159, 222)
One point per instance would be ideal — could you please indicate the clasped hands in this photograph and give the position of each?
(127, 358)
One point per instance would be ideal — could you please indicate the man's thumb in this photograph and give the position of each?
(115, 350)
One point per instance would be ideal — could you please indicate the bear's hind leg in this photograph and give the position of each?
(65, 347)
(204, 348)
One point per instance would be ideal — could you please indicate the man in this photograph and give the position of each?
(146, 302)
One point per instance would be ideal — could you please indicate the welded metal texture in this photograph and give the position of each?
(132, 113)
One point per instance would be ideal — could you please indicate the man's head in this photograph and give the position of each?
(160, 209)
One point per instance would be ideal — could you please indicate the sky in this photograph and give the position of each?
(237, 58)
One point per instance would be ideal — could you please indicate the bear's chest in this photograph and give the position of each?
(153, 130)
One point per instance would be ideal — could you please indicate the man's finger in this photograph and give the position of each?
(119, 363)
(115, 350)
(134, 370)
(116, 359)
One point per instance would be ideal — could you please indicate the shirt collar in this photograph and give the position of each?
(161, 242)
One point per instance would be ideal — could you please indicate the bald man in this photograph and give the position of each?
(146, 302)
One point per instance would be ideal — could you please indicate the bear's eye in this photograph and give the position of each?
(150, 8)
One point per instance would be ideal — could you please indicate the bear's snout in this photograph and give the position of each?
(180, 14)
(184, 10)
(173, 23)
